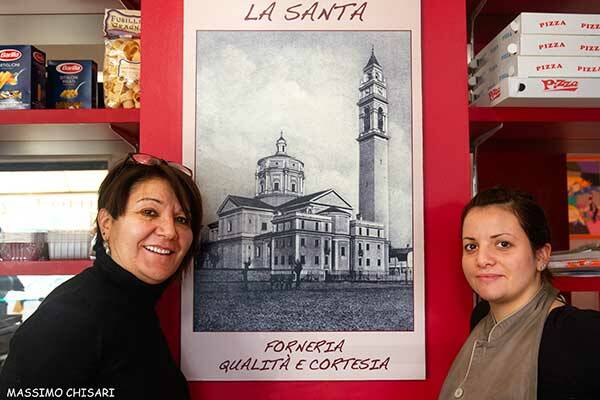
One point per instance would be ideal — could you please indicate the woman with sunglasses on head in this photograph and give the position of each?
(527, 344)
(99, 330)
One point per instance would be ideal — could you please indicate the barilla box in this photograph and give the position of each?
(22, 77)
(541, 92)
(72, 84)
(527, 24)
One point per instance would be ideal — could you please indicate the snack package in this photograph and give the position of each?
(122, 58)
(72, 84)
(22, 77)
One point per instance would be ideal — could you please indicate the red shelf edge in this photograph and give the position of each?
(577, 283)
(55, 267)
(533, 114)
(88, 116)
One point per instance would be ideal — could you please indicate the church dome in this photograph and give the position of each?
(279, 177)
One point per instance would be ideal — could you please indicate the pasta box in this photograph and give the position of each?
(72, 84)
(22, 77)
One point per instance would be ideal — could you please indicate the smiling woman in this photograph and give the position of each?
(530, 345)
(99, 330)
(152, 236)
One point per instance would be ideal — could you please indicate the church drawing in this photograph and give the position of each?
(282, 226)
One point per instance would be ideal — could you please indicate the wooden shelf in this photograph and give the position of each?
(124, 122)
(89, 116)
(55, 267)
(533, 114)
(56, 7)
(562, 130)
(577, 283)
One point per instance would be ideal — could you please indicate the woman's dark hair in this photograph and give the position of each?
(117, 186)
(530, 215)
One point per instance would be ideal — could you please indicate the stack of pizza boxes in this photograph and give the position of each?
(540, 60)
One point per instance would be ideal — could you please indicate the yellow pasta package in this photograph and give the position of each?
(122, 58)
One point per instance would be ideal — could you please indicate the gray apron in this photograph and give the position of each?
(500, 360)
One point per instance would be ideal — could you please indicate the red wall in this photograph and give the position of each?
(547, 171)
(447, 188)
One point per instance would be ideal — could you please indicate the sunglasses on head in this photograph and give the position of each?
(147, 159)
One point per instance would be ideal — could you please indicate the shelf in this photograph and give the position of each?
(88, 116)
(562, 130)
(124, 122)
(57, 267)
(32, 7)
(577, 283)
(533, 114)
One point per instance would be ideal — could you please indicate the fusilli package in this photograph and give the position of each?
(122, 58)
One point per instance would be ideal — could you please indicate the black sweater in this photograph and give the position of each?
(97, 330)
(569, 357)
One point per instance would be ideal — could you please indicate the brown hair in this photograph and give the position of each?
(117, 185)
(530, 215)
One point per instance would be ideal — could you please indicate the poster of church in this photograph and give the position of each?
(306, 146)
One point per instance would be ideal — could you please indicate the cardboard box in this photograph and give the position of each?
(536, 66)
(555, 45)
(72, 84)
(541, 92)
(527, 24)
(545, 45)
(556, 24)
(22, 77)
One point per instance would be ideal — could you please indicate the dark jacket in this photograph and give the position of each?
(568, 361)
(97, 330)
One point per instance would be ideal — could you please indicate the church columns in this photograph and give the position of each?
(322, 255)
(272, 252)
(335, 251)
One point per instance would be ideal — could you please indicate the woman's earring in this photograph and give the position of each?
(542, 268)
(106, 247)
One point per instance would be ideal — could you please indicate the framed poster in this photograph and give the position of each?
(303, 124)
(583, 188)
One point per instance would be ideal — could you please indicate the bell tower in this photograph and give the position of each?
(373, 137)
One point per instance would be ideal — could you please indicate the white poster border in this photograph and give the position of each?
(203, 352)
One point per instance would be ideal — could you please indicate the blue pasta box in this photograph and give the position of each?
(22, 77)
(72, 83)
